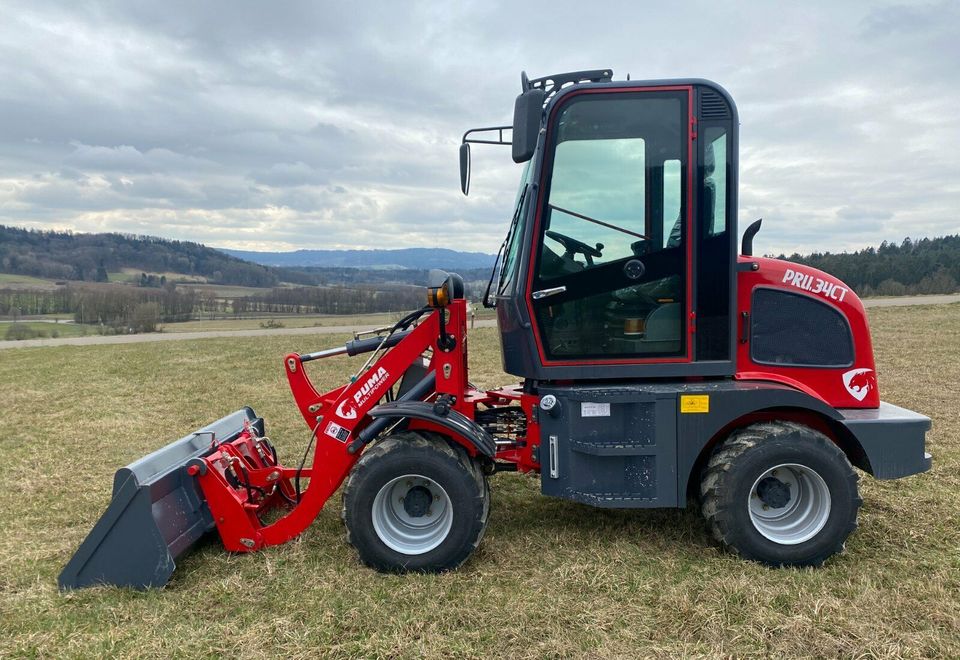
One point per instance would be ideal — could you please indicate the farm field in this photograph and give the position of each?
(12, 281)
(46, 326)
(132, 275)
(301, 321)
(551, 578)
(44, 329)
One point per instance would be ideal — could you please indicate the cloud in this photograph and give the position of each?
(306, 124)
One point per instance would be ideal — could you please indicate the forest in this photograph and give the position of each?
(923, 266)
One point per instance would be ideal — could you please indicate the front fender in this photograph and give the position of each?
(456, 422)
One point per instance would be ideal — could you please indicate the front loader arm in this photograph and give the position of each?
(339, 417)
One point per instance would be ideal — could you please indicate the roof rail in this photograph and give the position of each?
(554, 83)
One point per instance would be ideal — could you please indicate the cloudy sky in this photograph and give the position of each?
(278, 125)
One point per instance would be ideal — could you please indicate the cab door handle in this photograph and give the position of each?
(545, 293)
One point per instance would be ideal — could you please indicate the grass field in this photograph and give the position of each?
(132, 275)
(45, 329)
(12, 281)
(301, 321)
(551, 578)
(222, 290)
(226, 324)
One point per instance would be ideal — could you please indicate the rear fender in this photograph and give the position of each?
(738, 403)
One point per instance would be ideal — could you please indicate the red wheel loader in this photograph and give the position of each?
(658, 366)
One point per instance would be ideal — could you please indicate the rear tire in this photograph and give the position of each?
(781, 494)
(415, 502)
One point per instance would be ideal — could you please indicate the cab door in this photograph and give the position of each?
(611, 276)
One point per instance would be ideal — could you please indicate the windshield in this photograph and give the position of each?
(515, 232)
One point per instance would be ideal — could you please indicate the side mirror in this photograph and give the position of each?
(527, 111)
(465, 168)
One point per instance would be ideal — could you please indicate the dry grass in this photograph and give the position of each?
(46, 329)
(551, 578)
(12, 281)
(299, 321)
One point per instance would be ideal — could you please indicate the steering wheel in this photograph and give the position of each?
(573, 246)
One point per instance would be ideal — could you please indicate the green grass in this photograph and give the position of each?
(222, 290)
(551, 578)
(10, 280)
(42, 329)
(301, 321)
(133, 275)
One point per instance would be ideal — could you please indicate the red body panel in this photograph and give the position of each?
(848, 387)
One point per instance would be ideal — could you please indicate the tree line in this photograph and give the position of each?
(118, 308)
(331, 300)
(140, 309)
(927, 265)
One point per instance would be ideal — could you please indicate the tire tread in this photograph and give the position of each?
(715, 482)
(402, 442)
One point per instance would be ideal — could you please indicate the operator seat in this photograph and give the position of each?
(709, 195)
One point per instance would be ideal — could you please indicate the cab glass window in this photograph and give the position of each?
(611, 270)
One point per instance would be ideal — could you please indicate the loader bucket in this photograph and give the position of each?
(157, 513)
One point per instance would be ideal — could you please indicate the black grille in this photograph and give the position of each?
(792, 329)
(713, 106)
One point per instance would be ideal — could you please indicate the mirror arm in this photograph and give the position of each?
(465, 143)
(500, 139)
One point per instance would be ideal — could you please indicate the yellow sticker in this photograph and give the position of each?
(694, 403)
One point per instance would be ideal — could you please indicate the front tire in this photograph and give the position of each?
(781, 494)
(415, 502)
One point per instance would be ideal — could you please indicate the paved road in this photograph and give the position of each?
(347, 329)
(176, 336)
(901, 301)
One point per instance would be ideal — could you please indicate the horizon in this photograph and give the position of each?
(227, 250)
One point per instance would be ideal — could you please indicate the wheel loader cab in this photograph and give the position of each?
(622, 244)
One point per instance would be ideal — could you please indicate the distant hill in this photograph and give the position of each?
(926, 265)
(89, 257)
(72, 256)
(414, 258)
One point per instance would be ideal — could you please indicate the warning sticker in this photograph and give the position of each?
(588, 409)
(337, 432)
(694, 403)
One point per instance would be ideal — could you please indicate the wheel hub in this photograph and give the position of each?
(417, 502)
(412, 514)
(789, 504)
(773, 492)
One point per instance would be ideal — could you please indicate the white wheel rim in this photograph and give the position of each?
(789, 504)
(412, 514)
